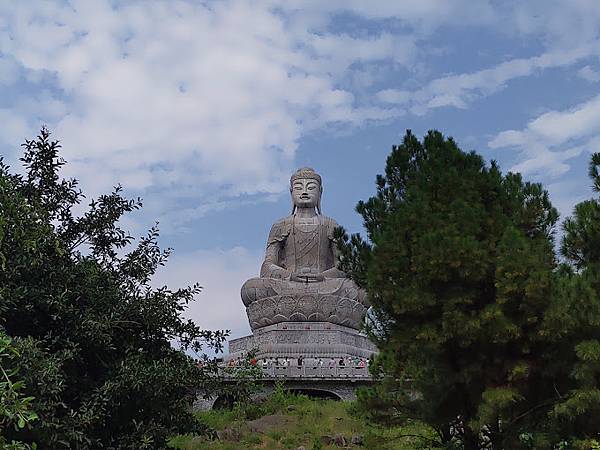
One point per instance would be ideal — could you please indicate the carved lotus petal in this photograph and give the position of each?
(326, 305)
(285, 305)
(307, 304)
(344, 307)
(351, 293)
(298, 317)
(280, 318)
(317, 317)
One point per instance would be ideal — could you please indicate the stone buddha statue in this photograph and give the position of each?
(299, 281)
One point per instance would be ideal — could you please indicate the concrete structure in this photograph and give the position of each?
(305, 313)
(334, 388)
(309, 340)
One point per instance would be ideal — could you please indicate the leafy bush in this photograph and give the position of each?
(93, 337)
(15, 409)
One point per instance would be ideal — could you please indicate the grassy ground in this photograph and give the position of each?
(286, 421)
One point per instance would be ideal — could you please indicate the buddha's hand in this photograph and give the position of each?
(307, 277)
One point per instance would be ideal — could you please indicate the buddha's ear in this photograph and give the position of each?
(293, 204)
(319, 202)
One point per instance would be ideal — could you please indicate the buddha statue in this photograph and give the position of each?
(299, 280)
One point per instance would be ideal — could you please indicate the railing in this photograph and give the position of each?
(294, 371)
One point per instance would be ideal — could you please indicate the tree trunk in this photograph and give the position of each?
(496, 436)
(470, 439)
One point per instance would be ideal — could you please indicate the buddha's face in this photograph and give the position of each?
(305, 192)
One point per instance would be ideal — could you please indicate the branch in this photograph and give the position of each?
(529, 411)
(77, 243)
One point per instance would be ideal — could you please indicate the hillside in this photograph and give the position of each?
(287, 421)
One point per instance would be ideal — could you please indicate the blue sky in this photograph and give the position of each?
(205, 108)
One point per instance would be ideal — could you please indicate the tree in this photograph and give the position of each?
(14, 407)
(459, 267)
(93, 337)
(572, 324)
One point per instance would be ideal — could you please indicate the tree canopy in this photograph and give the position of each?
(92, 339)
(482, 332)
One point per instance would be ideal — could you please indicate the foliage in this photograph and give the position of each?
(243, 380)
(93, 337)
(15, 409)
(461, 272)
(572, 324)
(288, 421)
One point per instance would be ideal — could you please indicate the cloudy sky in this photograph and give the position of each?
(204, 108)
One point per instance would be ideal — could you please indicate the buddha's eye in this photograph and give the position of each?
(311, 186)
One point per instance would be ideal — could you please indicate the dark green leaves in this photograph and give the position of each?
(95, 356)
(481, 333)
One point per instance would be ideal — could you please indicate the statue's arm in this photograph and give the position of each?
(271, 267)
(333, 272)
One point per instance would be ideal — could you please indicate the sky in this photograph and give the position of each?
(205, 108)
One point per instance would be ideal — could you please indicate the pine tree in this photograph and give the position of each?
(572, 324)
(459, 267)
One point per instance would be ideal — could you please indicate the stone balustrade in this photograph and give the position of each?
(292, 371)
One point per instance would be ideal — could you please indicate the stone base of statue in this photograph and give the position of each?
(334, 359)
(312, 340)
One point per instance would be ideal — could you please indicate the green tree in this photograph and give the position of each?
(15, 410)
(572, 324)
(94, 339)
(459, 267)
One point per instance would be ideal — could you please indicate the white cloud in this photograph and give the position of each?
(14, 126)
(9, 71)
(461, 89)
(566, 194)
(589, 74)
(221, 274)
(394, 96)
(567, 29)
(178, 223)
(553, 138)
(560, 126)
(557, 23)
(189, 97)
(424, 14)
(177, 95)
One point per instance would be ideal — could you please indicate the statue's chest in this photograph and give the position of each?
(307, 246)
(307, 226)
(306, 237)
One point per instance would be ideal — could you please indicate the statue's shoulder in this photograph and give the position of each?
(284, 221)
(281, 227)
(329, 222)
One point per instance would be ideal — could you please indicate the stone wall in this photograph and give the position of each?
(307, 339)
(344, 390)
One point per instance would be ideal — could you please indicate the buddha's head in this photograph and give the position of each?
(306, 189)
